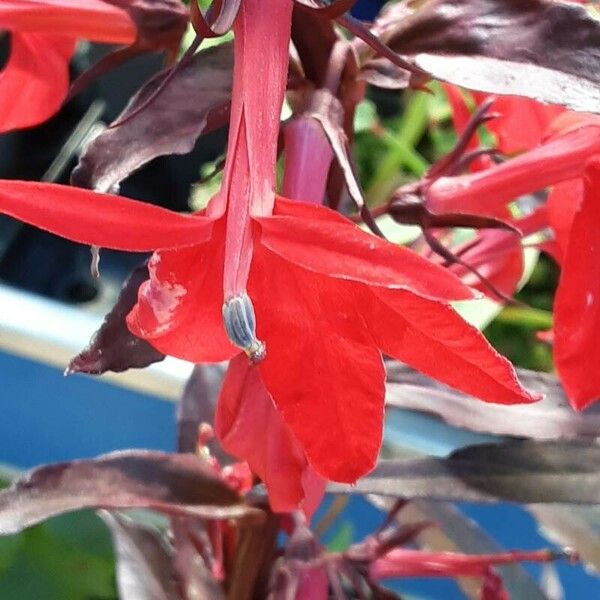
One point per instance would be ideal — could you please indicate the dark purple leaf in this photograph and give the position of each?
(380, 72)
(144, 561)
(161, 121)
(174, 484)
(541, 49)
(528, 472)
(314, 39)
(197, 406)
(113, 347)
(214, 25)
(160, 23)
(550, 418)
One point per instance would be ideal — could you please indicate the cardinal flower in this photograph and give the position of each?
(577, 302)
(35, 80)
(310, 298)
(568, 160)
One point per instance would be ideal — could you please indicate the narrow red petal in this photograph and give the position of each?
(321, 369)
(92, 20)
(100, 219)
(487, 192)
(245, 406)
(322, 241)
(577, 302)
(179, 307)
(35, 80)
(562, 204)
(431, 337)
(402, 562)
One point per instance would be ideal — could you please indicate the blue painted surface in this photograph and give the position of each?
(367, 9)
(46, 417)
(514, 528)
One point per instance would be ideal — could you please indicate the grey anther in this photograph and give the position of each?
(240, 324)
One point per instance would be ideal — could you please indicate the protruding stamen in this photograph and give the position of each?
(240, 324)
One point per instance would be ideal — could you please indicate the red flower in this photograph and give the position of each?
(329, 298)
(577, 302)
(572, 212)
(35, 80)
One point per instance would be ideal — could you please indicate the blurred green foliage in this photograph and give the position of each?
(67, 558)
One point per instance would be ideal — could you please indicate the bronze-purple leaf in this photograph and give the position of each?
(174, 484)
(541, 49)
(160, 23)
(144, 561)
(214, 24)
(160, 119)
(197, 405)
(517, 471)
(313, 39)
(160, 26)
(549, 419)
(380, 72)
(113, 347)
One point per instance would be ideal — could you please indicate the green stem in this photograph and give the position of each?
(531, 318)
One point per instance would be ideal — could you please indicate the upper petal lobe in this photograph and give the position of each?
(431, 337)
(322, 241)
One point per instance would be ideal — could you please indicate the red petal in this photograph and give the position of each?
(563, 202)
(577, 302)
(402, 562)
(92, 20)
(322, 241)
(250, 428)
(35, 80)
(100, 219)
(179, 309)
(321, 369)
(522, 123)
(431, 337)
